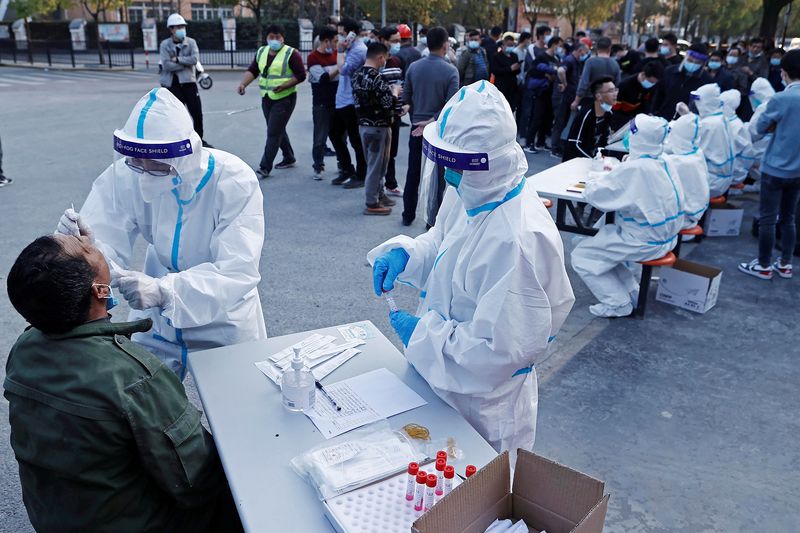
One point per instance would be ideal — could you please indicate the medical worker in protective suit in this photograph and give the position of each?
(647, 196)
(201, 213)
(742, 145)
(760, 94)
(683, 153)
(715, 138)
(493, 287)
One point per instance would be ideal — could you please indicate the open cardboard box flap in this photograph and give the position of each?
(547, 495)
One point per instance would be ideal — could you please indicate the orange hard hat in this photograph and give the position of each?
(405, 31)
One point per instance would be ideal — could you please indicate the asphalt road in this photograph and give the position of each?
(690, 419)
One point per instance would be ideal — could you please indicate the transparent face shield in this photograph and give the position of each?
(443, 165)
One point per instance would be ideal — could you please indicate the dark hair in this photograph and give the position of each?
(597, 83)
(423, 32)
(50, 288)
(508, 38)
(473, 33)
(651, 45)
(757, 40)
(780, 51)
(717, 53)
(653, 69)
(275, 28)
(497, 30)
(554, 41)
(376, 49)
(326, 33)
(700, 48)
(603, 43)
(616, 48)
(671, 38)
(579, 34)
(387, 32)
(437, 37)
(524, 35)
(541, 30)
(350, 25)
(791, 64)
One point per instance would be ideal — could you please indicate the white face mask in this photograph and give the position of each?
(154, 186)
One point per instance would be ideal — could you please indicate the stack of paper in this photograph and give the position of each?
(319, 352)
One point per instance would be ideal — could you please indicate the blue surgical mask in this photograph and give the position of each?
(452, 177)
(111, 300)
(511, 49)
(775, 61)
(664, 50)
(423, 41)
(473, 45)
(647, 84)
(367, 41)
(274, 45)
(584, 57)
(714, 65)
(606, 107)
(559, 51)
(755, 102)
(626, 140)
(691, 67)
(394, 49)
(329, 50)
(732, 60)
(180, 34)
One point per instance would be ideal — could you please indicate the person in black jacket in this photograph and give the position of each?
(719, 72)
(591, 127)
(505, 67)
(636, 94)
(680, 80)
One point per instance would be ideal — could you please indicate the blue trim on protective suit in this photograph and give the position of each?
(143, 114)
(438, 257)
(444, 121)
(423, 294)
(176, 238)
(523, 371)
(491, 206)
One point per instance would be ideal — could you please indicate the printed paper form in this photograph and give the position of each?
(364, 399)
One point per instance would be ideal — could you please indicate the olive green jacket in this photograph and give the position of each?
(105, 437)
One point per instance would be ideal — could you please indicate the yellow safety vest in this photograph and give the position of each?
(277, 74)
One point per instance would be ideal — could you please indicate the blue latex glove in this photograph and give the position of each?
(386, 269)
(404, 324)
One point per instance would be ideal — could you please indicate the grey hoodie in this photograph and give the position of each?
(187, 53)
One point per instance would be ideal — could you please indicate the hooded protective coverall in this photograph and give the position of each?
(648, 199)
(493, 287)
(715, 138)
(742, 145)
(685, 156)
(204, 236)
(760, 94)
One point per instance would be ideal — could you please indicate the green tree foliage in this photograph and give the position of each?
(418, 11)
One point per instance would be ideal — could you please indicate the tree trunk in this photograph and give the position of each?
(99, 43)
(769, 18)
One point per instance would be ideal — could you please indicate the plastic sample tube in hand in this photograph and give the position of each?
(390, 300)
(413, 469)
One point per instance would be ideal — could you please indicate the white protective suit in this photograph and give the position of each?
(204, 236)
(742, 145)
(647, 197)
(760, 94)
(715, 138)
(493, 287)
(685, 156)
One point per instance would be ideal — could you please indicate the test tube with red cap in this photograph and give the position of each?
(422, 480)
(430, 487)
(440, 466)
(441, 454)
(449, 474)
(411, 484)
(470, 470)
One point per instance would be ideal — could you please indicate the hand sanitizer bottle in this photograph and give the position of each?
(298, 385)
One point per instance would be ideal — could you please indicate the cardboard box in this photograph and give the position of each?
(547, 495)
(723, 221)
(689, 285)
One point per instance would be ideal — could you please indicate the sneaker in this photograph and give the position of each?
(262, 173)
(543, 146)
(784, 271)
(285, 164)
(397, 191)
(5, 181)
(353, 183)
(756, 270)
(531, 149)
(317, 175)
(343, 176)
(377, 210)
(387, 202)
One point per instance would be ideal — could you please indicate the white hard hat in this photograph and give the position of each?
(175, 20)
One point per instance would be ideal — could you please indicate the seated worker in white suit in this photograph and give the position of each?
(493, 287)
(647, 197)
(742, 144)
(715, 138)
(684, 154)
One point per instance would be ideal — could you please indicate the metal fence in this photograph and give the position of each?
(67, 53)
(239, 53)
